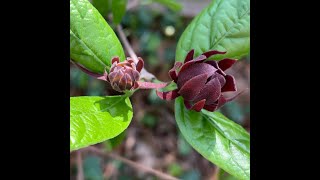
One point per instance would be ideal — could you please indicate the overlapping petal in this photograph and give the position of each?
(201, 82)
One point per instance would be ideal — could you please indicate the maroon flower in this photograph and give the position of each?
(124, 75)
(200, 82)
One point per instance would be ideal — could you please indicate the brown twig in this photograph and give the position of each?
(144, 73)
(131, 163)
(80, 175)
(132, 4)
(216, 174)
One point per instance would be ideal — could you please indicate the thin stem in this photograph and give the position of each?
(126, 44)
(144, 73)
(216, 174)
(80, 175)
(132, 4)
(132, 163)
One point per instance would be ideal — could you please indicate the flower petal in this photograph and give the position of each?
(116, 87)
(211, 92)
(198, 106)
(222, 79)
(194, 70)
(215, 64)
(115, 59)
(213, 52)
(140, 64)
(230, 84)
(104, 77)
(177, 65)
(115, 76)
(222, 100)
(187, 104)
(170, 95)
(192, 87)
(135, 86)
(211, 107)
(173, 72)
(212, 63)
(221, 72)
(129, 82)
(224, 64)
(189, 56)
(112, 67)
(123, 82)
(200, 58)
(130, 60)
(111, 76)
(135, 75)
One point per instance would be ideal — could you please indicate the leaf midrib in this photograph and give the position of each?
(228, 149)
(87, 47)
(230, 29)
(219, 131)
(230, 141)
(84, 41)
(222, 133)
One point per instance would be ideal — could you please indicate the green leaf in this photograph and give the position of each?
(114, 142)
(118, 10)
(94, 119)
(92, 41)
(222, 175)
(103, 6)
(172, 4)
(224, 25)
(217, 138)
(184, 147)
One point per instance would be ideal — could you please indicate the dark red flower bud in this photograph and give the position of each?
(124, 75)
(200, 82)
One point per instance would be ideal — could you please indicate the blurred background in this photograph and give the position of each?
(153, 139)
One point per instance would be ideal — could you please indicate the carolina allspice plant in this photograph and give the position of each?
(212, 43)
(200, 82)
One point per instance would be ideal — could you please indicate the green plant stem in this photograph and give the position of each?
(129, 93)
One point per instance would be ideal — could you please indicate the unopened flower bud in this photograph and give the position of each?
(124, 75)
(200, 82)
